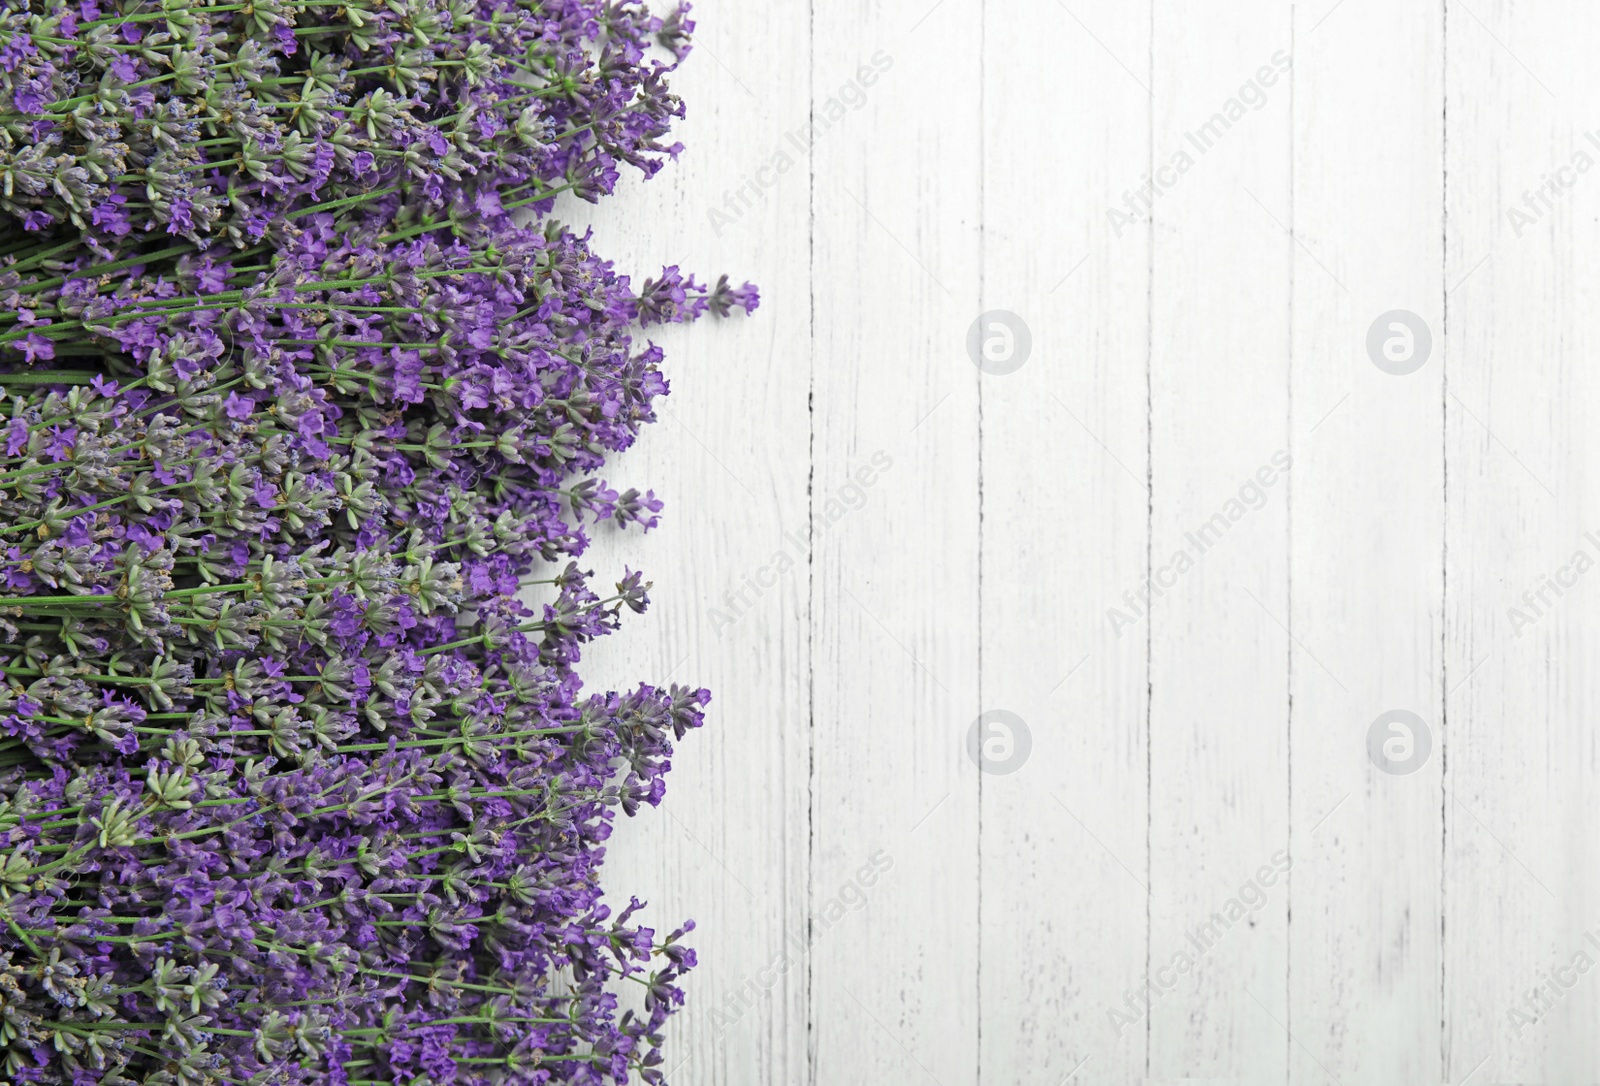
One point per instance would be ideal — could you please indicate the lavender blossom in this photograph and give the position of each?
(295, 785)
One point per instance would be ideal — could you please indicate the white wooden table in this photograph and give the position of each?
(1201, 815)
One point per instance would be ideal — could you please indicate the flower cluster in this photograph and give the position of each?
(204, 120)
(296, 786)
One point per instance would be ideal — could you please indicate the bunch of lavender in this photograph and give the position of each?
(294, 787)
(203, 120)
(284, 741)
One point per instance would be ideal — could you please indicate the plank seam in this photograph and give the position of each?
(1149, 522)
(809, 995)
(1444, 512)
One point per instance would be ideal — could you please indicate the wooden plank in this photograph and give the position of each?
(895, 574)
(728, 846)
(939, 923)
(1367, 542)
(1521, 890)
(1219, 414)
(1065, 522)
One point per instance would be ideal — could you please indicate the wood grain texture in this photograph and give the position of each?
(1366, 530)
(1065, 532)
(895, 581)
(1220, 304)
(869, 542)
(1521, 891)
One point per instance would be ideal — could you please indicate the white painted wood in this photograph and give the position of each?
(1065, 527)
(1521, 888)
(1219, 339)
(895, 248)
(1170, 764)
(1366, 529)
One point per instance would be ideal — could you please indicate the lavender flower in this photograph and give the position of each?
(295, 786)
(217, 121)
